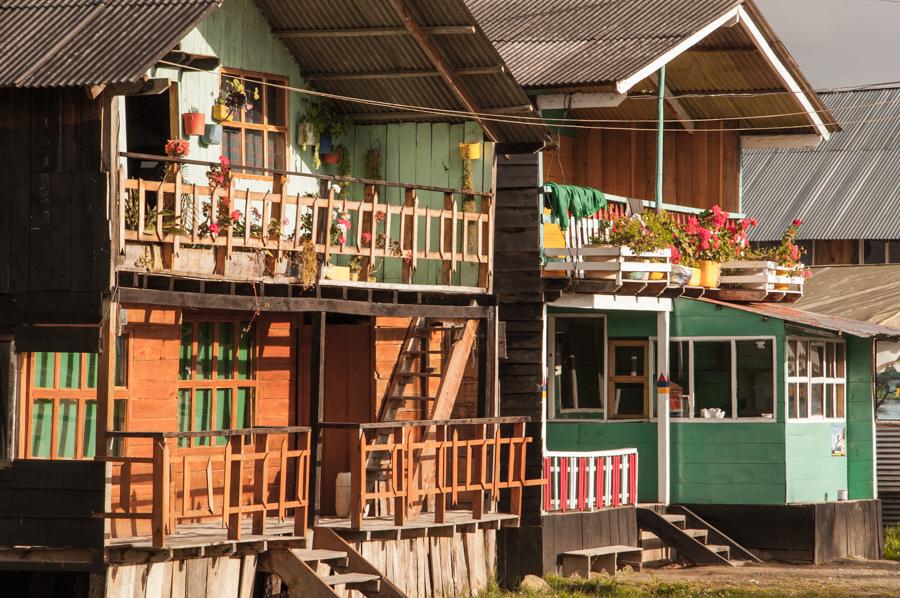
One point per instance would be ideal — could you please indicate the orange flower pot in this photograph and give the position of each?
(193, 123)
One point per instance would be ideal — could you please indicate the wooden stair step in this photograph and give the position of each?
(420, 375)
(363, 582)
(676, 520)
(719, 548)
(411, 398)
(334, 558)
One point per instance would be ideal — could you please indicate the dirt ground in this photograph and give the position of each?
(839, 579)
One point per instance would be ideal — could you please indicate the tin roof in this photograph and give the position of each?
(56, 43)
(865, 293)
(787, 312)
(331, 62)
(844, 188)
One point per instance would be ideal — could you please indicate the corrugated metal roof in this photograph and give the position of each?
(388, 53)
(784, 311)
(55, 43)
(845, 188)
(865, 293)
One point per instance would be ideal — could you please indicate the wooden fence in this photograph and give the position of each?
(584, 481)
(471, 459)
(247, 459)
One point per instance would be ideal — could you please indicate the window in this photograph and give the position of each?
(259, 136)
(874, 252)
(217, 380)
(61, 403)
(894, 252)
(578, 357)
(816, 378)
(628, 379)
(713, 378)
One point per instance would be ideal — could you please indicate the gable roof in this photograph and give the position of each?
(865, 293)
(844, 188)
(56, 43)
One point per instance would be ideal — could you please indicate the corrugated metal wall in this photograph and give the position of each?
(888, 442)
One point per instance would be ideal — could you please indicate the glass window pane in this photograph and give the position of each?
(184, 415)
(803, 397)
(121, 361)
(244, 413)
(712, 376)
(89, 437)
(829, 400)
(627, 399)
(120, 407)
(91, 361)
(792, 358)
(66, 429)
(185, 350)
(254, 114)
(579, 363)
(41, 428)
(755, 377)
(816, 360)
(817, 400)
(629, 361)
(253, 154)
(245, 352)
(231, 145)
(679, 377)
(276, 150)
(839, 360)
(70, 370)
(223, 413)
(792, 400)
(801, 358)
(204, 351)
(202, 413)
(873, 252)
(275, 101)
(225, 358)
(829, 360)
(43, 369)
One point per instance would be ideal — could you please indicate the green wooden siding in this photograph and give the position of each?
(860, 420)
(813, 474)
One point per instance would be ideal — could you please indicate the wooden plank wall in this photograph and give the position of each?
(54, 233)
(8, 408)
(50, 503)
(234, 577)
(836, 251)
(699, 170)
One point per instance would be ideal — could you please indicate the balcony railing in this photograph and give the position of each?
(193, 229)
(398, 466)
(238, 474)
(584, 481)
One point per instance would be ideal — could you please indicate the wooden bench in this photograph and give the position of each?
(582, 562)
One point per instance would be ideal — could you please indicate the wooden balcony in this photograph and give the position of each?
(240, 234)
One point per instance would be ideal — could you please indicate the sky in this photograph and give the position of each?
(839, 43)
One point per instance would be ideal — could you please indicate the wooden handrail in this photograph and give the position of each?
(212, 433)
(475, 421)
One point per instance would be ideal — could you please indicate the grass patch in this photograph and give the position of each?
(892, 543)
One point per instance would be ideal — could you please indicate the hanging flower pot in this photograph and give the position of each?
(331, 158)
(709, 274)
(306, 134)
(212, 135)
(220, 113)
(325, 143)
(193, 122)
(471, 151)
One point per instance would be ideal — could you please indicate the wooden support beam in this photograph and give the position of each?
(317, 412)
(562, 101)
(423, 38)
(683, 117)
(407, 74)
(779, 141)
(106, 377)
(369, 32)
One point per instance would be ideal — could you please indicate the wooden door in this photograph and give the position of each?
(348, 398)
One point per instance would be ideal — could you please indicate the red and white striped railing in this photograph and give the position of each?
(584, 481)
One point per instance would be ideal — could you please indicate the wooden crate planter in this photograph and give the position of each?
(616, 264)
(760, 280)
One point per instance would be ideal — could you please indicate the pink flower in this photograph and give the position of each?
(366, 238)
(675, 254)
(342, 240)
(692, 226)
(236, 215)
(720, 217)
(795, 252)
(704, 233)
(379, 216)
(807, 274)
(225, 162)
(704, 244)
(214, 228)
(797, 222)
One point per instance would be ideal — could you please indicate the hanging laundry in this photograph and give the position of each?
(579, 202)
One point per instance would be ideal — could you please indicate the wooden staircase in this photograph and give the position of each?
(678, 534)
(327, 570)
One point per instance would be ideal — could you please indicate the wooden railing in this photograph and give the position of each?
(275, 227)
(277, 472)
(584, 481)
(438, 461)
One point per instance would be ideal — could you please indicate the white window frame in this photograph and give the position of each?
(732, 340)
(809, 381)
(551, 366)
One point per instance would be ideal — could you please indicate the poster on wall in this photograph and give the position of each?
(839, 439)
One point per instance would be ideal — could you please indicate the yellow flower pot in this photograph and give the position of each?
(220, 113)
(657, 276)
(472, 151)
(695, 278)
(780, 286)
(709, 274)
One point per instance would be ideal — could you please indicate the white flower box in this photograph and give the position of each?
(618, 264)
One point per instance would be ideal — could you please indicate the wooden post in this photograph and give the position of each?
(317, 410)
(302, 512)
(440, 479)
(329, 216)
(663, 420)
(106, 377)
(357, 481)
(479, 458)
(160, 514)
(517, 474)
(260, 483)
(235, 485)
(401, 487)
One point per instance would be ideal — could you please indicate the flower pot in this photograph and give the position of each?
(709, 274)
(221, 113)
(212, 135)
(193, 123)
(472, 151)
(325, 143)
(657, 276)
(306, 134)
(695, 278)
(331, 158)
(782, 286)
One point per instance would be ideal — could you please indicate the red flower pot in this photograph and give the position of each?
(331, 158)
(193, 123)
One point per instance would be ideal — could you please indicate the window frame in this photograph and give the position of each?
(214, 383)
(551, 365)
(265, 128)
(82, 395)
(733, 340)
(809, 380)
(613, 379)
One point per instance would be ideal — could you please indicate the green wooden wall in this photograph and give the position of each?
(415, 153)
(740, 462)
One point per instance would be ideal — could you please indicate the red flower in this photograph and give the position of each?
(236, 215)
(214, 228)
(693, 226)
(795, 253)
(675, 254)
(379, 216)
(797, 222)
(225, 202)
(225, 162)
(366, 238)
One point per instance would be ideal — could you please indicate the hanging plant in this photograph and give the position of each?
(345, 169)
(325, 122)
(468, 182)
(373, 164)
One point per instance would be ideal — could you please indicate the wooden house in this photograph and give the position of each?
(229, 377)
(651, 104)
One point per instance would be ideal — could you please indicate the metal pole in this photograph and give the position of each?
(660, 121)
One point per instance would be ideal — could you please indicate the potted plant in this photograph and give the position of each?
(787, 255)
(641, 234)
(470, 151)
(193, 122)
(212, 135)
(306, 134)
(220, 112)
(333, 157)
(237, 97)
(708, 239)
(326, 126)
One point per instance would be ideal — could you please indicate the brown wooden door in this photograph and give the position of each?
(348, 398)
